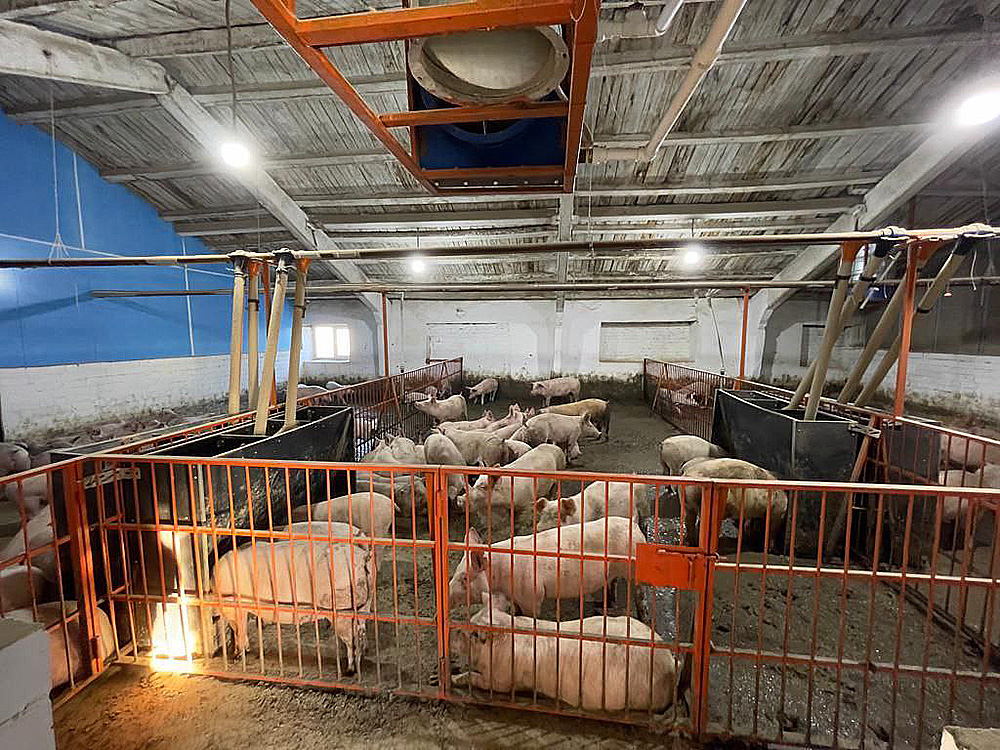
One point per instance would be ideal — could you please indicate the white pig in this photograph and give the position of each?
(528, 581)
(61, 663)
(474, 424)
(597, 409)
(676, 450)
(406, 490)
(560, 429)
(556, 387)
(514, 416)
(622, 499)
(484, 388)
(489, 490)
(444, 410)
(586, 674)
(372, 512)
(442, 451)
(514, 449)
(477, 446)
(335, 578)
(33, 491)
(39, 534)
(17, 584)
(13, 459)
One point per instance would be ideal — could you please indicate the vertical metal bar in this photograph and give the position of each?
(253, 333)
(743, 339)
(271, 349)
(82, 556)
(295, 348)
(385, 336)
(909, 297)
(236, 337)
(702, 646)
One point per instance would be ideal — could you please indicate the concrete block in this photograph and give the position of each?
(24, 668)
(32, 728)
(965, 738)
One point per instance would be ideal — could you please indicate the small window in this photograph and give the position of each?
(332, 342)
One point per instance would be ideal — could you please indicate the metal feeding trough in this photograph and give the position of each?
(756, 427)
(178, 492)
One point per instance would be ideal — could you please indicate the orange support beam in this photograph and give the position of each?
(582, 35)
(430, 20)
(448, 115)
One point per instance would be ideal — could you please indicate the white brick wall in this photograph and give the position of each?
(38, 398)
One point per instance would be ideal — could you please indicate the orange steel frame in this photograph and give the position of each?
(309, 37)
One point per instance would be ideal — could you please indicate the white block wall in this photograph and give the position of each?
(25, 710)
(61, 396)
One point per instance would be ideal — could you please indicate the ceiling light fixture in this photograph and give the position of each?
(234, 154)
(693, 255)
(417, 265)
(979, 108)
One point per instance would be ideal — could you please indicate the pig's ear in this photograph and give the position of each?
(477, 562)
(540, 504)
(473, 537)
(567, 506)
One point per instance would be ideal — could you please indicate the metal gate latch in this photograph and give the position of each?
(671, 565)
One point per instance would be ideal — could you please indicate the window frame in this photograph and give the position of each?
(334, 327)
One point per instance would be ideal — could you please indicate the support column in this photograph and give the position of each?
(267, 378)
(385, 337)
(253, 333)
(743, 339)
(831, 331)
(295, 349)
(267, 316)
(236, 333)
(909, 297)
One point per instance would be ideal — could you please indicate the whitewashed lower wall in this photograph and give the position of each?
(40, 398)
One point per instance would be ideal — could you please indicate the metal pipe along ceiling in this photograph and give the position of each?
(624, 246)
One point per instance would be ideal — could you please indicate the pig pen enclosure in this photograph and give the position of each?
(828, 627)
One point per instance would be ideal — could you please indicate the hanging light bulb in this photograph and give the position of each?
(947, 290)
(979, 108)
(417, 265)
(693, 255)
(234, 154)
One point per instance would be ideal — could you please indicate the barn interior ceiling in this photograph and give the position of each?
(807, 117)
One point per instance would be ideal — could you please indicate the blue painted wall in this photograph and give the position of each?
(48, 315)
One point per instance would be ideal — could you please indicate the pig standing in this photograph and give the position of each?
(514, 416)
(755, 500)
(482, 389)
(477, 446)
(305, 391)
(372, 512)
(585, 674)
(331, 577)
(13, 459)
(61, 663)
(558, 429)
(676, 450)
(528, 581)
(556, 387)
(489, 490)
(408, 491)
(441, 451)
(621, 498)
(443, 411)
(514, 449)
(597, 409)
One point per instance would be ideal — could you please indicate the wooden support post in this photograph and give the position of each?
(385, 336)
(267, 316)
(743, 339)
(253, 333)
(295, 349)
(271, 349)
(236, 336)
(831, 332)
(909, 299)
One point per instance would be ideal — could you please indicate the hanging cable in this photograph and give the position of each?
(58, 247)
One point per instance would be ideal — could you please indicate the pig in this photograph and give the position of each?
(333, 385)
(412, 397)
(39, 533)
(597, 409)
(13, 459)
(694, 462)
(405, 451)
(32, 491)
(514, 449)
(443, 411)
(514, 416)
(61, 664)
(381, 453)
(585, 674)
(372, 512)
(484, 388)
(407, 491)
(955, 506)
(621, 498)
(755, 500)
(559, 429)
(529, 581)
(549, 389)
(473, 424)
(962, 453)
(334, 577)
(477, 446)
(17, 585)
(677, 449)
(489, 490)
(305, 391)
(441, 451)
